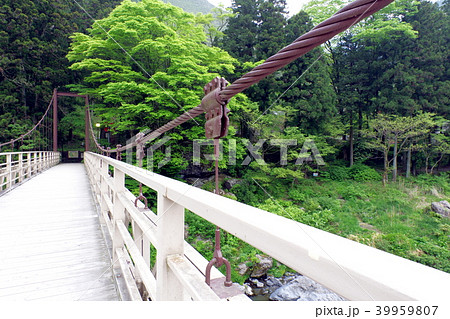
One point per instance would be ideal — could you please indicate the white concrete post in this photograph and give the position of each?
(138, 235)
(35, 163)
(118, 209)
(103, 187)
(28, 174)
(96, 162)
(170, 234)
(146, 250)
(38, 159)
(8, 171)
(20, 167)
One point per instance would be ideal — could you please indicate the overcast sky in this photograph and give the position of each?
(294, 6)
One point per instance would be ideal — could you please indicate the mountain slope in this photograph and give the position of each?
(194, 6)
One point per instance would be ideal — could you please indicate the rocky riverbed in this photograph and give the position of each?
(290, 287)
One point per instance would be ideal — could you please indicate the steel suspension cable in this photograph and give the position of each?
(36, 127)
(339, 22)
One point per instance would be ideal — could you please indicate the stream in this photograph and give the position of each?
(290, 287)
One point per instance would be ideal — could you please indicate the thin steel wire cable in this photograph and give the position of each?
(131, 57)
(307, 70)
(341, 21)
(300, 225)
(31, 130)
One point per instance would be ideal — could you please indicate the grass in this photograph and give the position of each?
(396, 218)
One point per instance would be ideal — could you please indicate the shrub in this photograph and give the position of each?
(297, 195)
(352, 192)
(336, 173)
(329, 203)
(362, 173)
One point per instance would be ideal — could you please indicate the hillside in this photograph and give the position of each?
(194, 6)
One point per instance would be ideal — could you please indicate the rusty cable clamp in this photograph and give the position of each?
(216, 126)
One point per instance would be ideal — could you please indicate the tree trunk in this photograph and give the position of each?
(408, 163)
(436, 164)
(386, 167)
(394, 163)
(351, 140)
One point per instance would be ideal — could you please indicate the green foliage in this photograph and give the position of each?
(336, 173)
(34, 40)
(362, 173)
(358, 172)
(297, 195)
(395, 218)
(161, 76)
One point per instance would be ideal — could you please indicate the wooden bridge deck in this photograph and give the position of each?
(51, 242)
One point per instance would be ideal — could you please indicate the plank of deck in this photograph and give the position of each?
(51, 243)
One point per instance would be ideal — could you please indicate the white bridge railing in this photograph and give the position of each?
(15, 167)
(353, 270)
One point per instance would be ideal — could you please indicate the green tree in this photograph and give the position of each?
(217, 24)
(145, 64)
(429, 58)
(388, 133)
(371, 73)
(240, 36)
(34, 40)
(307, 83)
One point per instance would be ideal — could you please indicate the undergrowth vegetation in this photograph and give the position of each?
(349, 202)
(396, 218)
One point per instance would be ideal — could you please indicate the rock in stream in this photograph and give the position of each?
(291, 287)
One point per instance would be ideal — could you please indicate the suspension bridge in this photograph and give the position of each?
(76, 232)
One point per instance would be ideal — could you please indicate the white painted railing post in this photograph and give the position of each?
(27, 173)
(97, 176)
(9, 171)
(170, 234)
(118, 209)
(42, 161)
(38, 162)
(103, 187)
(33, 162)
(20, 167)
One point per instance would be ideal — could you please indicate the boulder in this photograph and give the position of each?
(262, 266)
(242, 269)
(271, 281)
(229, 183)
(442, 208)
(304, 289)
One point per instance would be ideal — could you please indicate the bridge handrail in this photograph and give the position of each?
(132, 254)
(351, 269)
(14, 171)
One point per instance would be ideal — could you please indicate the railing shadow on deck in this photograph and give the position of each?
(351, 269)
(17, 167)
